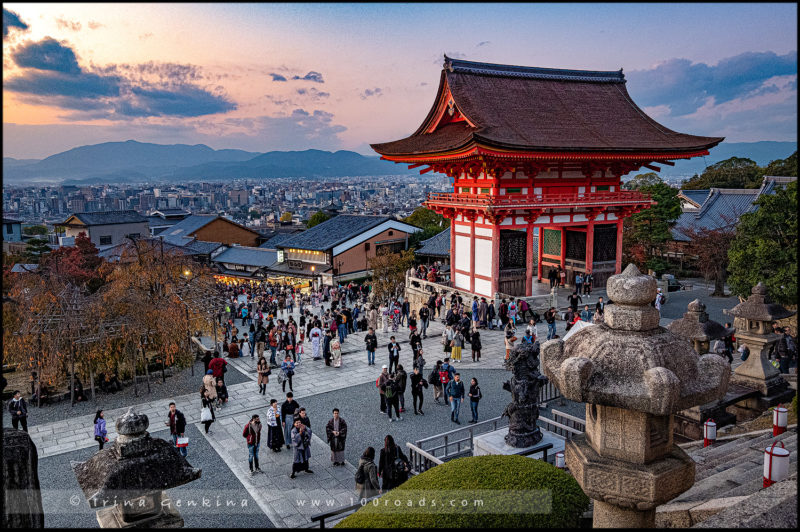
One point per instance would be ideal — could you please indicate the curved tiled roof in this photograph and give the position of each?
(330, 233)
(436, 246)
(539, 109)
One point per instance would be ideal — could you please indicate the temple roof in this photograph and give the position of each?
(538, 109)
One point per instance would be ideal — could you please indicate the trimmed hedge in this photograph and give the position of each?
(515, 491)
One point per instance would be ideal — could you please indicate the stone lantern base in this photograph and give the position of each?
(163, 515)
(625, 494)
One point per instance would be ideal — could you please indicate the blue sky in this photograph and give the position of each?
(340, 76)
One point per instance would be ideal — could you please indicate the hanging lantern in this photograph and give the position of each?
(780, 419)
(560, 462)
(709, 432)
(776, 464)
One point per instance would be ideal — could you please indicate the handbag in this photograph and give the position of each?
(281, 378)
(182, 441)
(205, 414)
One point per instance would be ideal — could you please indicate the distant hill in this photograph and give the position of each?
(761, 152)
(132, 161)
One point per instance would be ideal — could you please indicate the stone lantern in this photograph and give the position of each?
(752, 320)
(633, 376)
(126, 480)
(697, 328)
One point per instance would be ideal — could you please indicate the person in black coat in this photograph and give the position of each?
(176, 422)
(390, 477)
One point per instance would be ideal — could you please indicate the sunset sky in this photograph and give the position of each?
(264, 77)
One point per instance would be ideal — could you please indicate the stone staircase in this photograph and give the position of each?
(727, 474)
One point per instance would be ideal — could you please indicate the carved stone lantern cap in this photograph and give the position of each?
(695, 325)
(132, 423)
(631, 362)
(758, 307)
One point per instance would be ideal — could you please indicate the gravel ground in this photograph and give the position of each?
(366, 426)
(179, 384)
(676, 304)
(60, 490)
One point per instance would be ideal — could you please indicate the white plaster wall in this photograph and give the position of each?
(543, 220)
(463, 253)
(561, 218)
(507, 221)
(483, 288)
(611, 216)
(462, 228)
(580, 218)
(483, 257)
(483, 231)
(462, 281)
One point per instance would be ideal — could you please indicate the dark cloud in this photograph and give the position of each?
(47, 54)
(12, 20)
(53, 77)
(377, 91)
(314, 93)
(482, 43)
(684, 86)
(277, 77)
(64, 24)
(311, 76)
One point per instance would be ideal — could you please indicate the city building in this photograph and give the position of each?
(339, 249)
(12, 230)
(436, 248)
(162, 219)
(211, 228)
(537, 156)
(107, 228)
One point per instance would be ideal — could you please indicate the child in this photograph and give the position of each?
(222, 392)
(510, 339)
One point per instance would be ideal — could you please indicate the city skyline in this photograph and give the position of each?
(267, 77)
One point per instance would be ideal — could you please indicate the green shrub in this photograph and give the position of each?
(515, 491)
(794, 404)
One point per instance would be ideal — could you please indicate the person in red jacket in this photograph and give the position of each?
(217, 366)
(252, 431)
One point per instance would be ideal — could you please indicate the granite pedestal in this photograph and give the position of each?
(494, 443)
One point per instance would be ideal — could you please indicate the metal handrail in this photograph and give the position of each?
(321, 517)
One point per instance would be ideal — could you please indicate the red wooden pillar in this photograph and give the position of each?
(472, 254)
(539, 255)
(529, 261)
(564, 250)
(495, 259)
(618, 267)
(589, 246)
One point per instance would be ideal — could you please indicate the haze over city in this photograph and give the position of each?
(264, 77)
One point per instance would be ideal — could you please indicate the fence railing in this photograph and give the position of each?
(458, 442)
(539, 200)
(548, 393)
(421, 460)
(339, 513)
(562, 425)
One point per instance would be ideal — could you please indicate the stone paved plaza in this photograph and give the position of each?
(277, 500)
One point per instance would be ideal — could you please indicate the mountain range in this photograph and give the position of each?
(132, 161)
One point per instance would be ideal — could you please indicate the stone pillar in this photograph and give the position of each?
(22, 500)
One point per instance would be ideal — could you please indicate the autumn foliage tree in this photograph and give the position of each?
(711, 246)
(388, 273)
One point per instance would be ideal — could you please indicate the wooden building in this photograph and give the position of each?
(536, 156)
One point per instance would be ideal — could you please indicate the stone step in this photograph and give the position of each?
(719, 484)
(715, 453)
(773, 507)
(729, 459)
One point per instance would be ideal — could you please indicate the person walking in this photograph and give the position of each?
(336, 431)
(100, 433)
(418, 382)
(252, 431)
(366, 478)
(394, 353)
(455, 394)
(587, 284)
(550, 318)
(573, 301)
(393, 467)
(509, 340)
(264, 372)
(207, 416)
(218, 366)
(402, 379)
(177, 427)
(316, 340)
(288, 409)
(475, 395)
(381, 384)
(578, 283)
(18, 409)
(458, 344)
(371, 340)
(301, 441)
(424, 319)
(287, 372)
(436, 382)
(336, 353)
(275, 439)
(391, 390)
(245, 348)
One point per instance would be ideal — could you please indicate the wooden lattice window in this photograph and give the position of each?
(552, 242)
(576, 245)
(605, 243)
(512, 249)
(513, 190)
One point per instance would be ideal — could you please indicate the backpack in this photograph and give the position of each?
(361, 477)
(444, 376)
(399, 467)
(390, 389)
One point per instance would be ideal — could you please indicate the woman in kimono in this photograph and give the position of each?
(336, 430)
(316, 342)
(336, 352)
(372, 320)
(385, 316)
(275, 439)
(301, 441)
